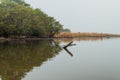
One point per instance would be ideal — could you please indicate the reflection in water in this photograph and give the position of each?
(68, 51)
(19, 57)
(81, 39)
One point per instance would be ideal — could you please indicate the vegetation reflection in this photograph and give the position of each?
(19, 57)
(81, 39)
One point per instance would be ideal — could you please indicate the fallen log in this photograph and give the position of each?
(65, 47)
(69, 44)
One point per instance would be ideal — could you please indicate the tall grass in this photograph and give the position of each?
(79, 34)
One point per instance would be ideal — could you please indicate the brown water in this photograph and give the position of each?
(91, 59)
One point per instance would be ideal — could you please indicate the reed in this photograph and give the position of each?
(79, 34)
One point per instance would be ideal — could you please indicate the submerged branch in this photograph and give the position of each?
(65, 48)
(69, 44)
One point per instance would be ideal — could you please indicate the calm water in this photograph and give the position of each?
(89, 59)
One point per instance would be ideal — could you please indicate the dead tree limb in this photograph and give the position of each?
(69, 44)
(65, 47)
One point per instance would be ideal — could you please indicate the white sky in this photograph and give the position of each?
(83, 15)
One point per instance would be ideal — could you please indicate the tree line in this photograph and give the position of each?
(18, 19)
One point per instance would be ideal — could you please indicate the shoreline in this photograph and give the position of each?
(62, 35)
(8, 39)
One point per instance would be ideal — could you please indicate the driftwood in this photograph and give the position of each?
(65, 47)
(69, 44)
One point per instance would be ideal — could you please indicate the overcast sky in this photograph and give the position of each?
(83, 15)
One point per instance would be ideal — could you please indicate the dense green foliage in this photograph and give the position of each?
(18, 19)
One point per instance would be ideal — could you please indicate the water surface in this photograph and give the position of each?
(93, 59)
